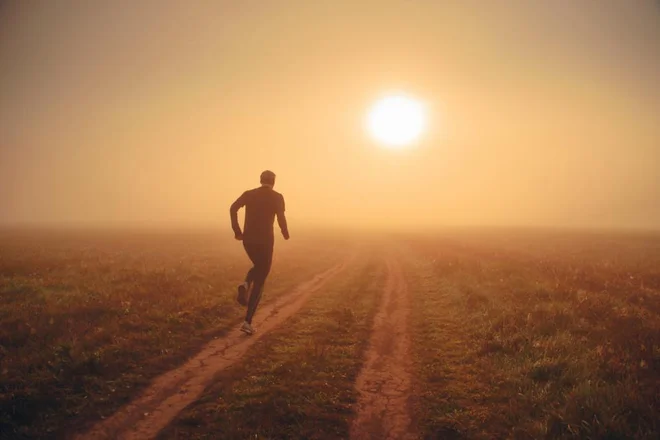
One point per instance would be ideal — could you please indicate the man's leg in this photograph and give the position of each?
(249, 278)
(253, 255)
(244, 289)
(262, 268)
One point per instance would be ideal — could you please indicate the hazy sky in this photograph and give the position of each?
(542, 112)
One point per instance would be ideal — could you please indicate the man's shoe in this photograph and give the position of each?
(247, 328)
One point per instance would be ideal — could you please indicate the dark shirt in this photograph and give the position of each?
(262, 205)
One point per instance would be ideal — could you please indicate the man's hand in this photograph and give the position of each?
(286, 236)
(238, 236)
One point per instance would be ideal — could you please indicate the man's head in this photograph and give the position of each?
(268, 178)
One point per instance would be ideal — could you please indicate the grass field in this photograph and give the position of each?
(513, 334)
(88, 319)
(538, 337)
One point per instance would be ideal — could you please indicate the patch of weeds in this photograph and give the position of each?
(564, 346)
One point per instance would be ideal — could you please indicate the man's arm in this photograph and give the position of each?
(281, 219)
(233, 214)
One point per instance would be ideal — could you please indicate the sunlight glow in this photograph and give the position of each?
(396, 121)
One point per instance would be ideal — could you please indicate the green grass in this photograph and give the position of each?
(86, 321)
(298, 381)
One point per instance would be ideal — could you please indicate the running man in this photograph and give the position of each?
(262, 205)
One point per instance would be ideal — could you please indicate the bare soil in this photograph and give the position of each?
(385, 382)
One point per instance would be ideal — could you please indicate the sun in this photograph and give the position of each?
(397, 120)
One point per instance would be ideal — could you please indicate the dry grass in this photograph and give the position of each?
(550, 340)
(87, 319)
(520, 335)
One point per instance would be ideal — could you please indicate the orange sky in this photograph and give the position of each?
(542, 113)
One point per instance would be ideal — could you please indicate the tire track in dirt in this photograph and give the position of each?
(171, 392)
(385, 382)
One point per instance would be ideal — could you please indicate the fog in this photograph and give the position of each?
(163, 112)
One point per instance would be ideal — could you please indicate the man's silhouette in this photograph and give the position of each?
(262, 205)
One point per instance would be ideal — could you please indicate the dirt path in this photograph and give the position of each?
(174, 390)
(384, 384)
